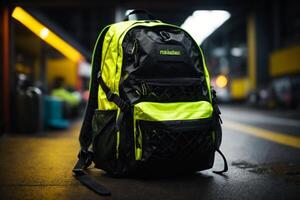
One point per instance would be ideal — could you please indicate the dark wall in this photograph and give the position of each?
(1, 72)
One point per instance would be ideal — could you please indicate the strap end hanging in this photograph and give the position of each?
(84, 161)
(225, 169)
(93, 185)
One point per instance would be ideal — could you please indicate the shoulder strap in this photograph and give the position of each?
(84, 160)
(85, 137)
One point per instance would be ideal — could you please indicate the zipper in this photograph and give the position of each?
(137, 140)
(138, 135)
(181, 124)
(177, 82)
(172, 81)
(124, 32)
(136, 24)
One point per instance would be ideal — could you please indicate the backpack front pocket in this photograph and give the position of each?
(174, 140)
(173, 133)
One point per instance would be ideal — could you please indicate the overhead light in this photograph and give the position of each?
(47, 35)
(204, 22)
(84, 69)
(238, 51)
(221, 81)
(219, 51)
(127, 12)
(44, 33)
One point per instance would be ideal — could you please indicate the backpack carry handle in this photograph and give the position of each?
(138, 14)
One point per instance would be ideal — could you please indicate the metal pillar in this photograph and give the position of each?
(251, 43)
(258, 41)
(5, 71)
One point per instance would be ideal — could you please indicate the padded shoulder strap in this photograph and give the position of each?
(85, 136)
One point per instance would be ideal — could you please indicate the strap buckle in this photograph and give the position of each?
(86, 157)
(98, 76)
(110, 96)
(84, 161)
(123, 106)
(117, 100)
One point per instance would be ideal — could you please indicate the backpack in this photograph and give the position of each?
(151, 109)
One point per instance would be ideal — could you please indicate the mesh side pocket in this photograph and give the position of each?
(104, 135)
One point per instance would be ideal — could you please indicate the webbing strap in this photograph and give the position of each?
(84, 161)
(113, 97)
(93, 185)
(225, 169)
(85, 138)
(217, 125)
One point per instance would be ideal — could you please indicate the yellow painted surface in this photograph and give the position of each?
(64, 68)
(221, 81)
(281, 138)
(251, 42)
(239, 88)
(45, 34)
(285, 61)
(20, 68)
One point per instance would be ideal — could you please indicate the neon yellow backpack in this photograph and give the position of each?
(151, 110)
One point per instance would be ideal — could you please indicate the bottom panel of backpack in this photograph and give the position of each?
(153, 147)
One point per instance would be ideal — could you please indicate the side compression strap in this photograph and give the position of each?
(123, 105)
(110, 95)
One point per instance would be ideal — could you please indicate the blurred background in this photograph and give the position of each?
(252, 51)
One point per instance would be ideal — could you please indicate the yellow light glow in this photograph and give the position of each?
(44, 33)
(47, 35)
(221, 81)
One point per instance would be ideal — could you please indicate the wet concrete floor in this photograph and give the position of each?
(39, 167)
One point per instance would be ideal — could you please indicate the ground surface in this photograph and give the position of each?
(261, 167)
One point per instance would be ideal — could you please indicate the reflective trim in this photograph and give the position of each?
(118, 135)
(138, 154)
(118, 144)
(151, 111)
